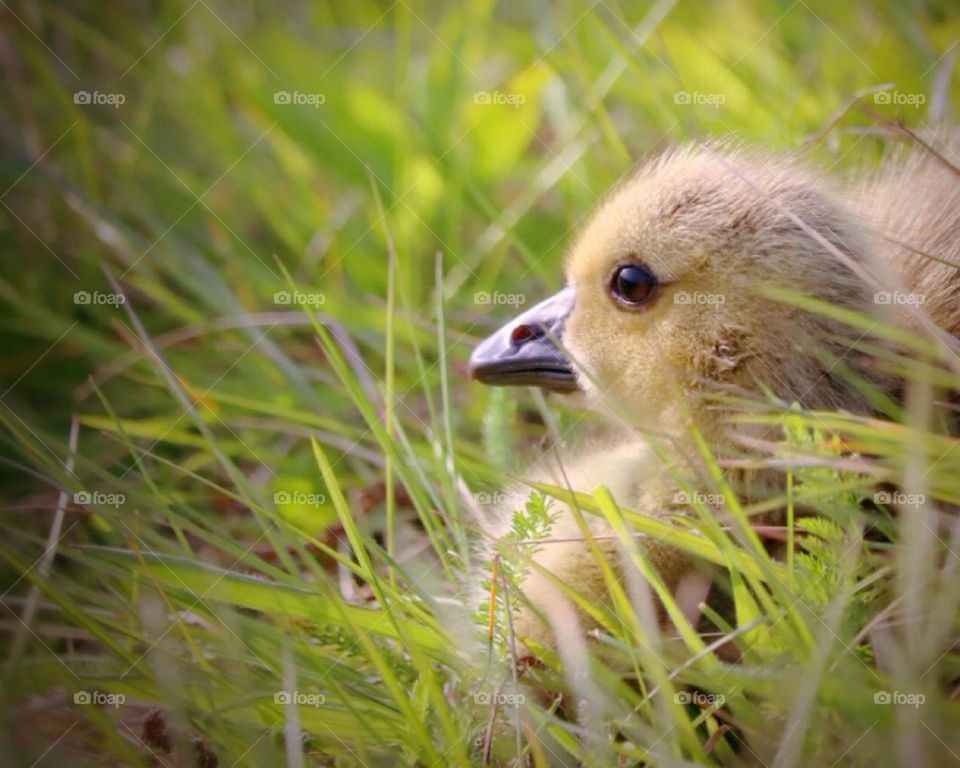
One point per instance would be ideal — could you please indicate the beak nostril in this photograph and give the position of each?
(522, 334)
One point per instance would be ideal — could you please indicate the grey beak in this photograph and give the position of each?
(522, 353)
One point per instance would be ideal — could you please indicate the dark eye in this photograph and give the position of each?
(632, 285)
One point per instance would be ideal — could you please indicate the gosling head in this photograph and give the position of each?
(666, 294)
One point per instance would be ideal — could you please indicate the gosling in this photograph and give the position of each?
(664, 304)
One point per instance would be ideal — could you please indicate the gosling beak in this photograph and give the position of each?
(522, 353)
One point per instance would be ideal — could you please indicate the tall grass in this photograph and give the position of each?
(258, 541)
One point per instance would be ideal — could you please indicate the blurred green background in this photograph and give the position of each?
(199, 182)
(197, 152)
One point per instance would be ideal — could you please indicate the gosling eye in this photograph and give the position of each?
(632, 285)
